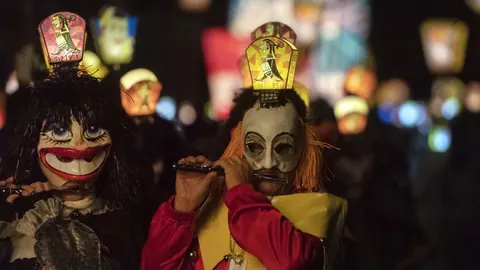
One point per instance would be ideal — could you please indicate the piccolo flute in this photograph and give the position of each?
(219, 170)
(65, 191)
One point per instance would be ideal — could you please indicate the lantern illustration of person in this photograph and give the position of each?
(62, 33)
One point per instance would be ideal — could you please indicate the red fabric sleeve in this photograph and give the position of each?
(170, 236)
(260, 229)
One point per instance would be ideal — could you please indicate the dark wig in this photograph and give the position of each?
(69, 93)
(244, 102)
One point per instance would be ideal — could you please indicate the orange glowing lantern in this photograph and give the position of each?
(360, 82)
(140, 90)
(352, 115)
(444, 44)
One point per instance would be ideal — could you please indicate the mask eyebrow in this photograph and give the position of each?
(254, 133)
(285, 133)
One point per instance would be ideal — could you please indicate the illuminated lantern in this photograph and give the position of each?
(439, 139)
(140, 90)
(474, 5)
(472, 98)
(222, 53)
(166, 108)
(114, 33)
(194, 6)
(393, 91)
(245, 15)
(12, 84)
(307, 19)
(447, 97)
(93, 65)
(352, 115)
(444, 45)
(360, 82)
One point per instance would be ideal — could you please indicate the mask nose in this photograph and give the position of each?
(269, 161)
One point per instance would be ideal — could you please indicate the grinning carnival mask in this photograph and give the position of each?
(70, 151)
(272, 135)
(65, 129)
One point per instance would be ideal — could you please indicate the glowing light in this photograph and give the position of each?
(360, 82)
(409, 114)
(187, 113)
(166, 108)
(12, 84)
(439, 139)
(472, 98)
(451, 108)
(444, 44)
(393, 91)
(386, 113)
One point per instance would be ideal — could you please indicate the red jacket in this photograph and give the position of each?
(276, 243)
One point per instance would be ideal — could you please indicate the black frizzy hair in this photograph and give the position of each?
(244, 102)
(64, 94)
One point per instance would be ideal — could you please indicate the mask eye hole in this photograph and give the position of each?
(255, 148)
(284, 149)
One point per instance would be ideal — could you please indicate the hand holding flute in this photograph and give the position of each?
(22, 190)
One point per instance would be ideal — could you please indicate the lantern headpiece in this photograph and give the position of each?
(272, 62)
(63, 38)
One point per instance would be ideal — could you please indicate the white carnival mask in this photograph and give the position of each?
(274, 138)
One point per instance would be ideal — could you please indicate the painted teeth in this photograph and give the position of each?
(75, 166)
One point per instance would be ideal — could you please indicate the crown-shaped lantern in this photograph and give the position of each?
(272, 62)
(140, 90)
(63, 38)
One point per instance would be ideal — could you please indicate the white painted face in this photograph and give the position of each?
(273, 138)
(72, 154)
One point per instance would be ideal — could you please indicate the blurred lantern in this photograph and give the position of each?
(274, 29)
(393, 91)
(166, 108)
(389, 96)
(140, 90)
(439, 139)
(194, 6)
(12, 84)
(474, 5)
(342, 44)
(307, 15)
(360, 82)
(472, 98)
(207, 110)
(302, 92)
(444, 44)
(352, 114)
(222, 53)
(93, 65)
(187, 113)
(245, 15)
(447, 97)
(411, 114)
(114, 33)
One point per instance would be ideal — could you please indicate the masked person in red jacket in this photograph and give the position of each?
(277, 217)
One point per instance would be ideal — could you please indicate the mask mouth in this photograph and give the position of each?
(270, 175)
(75, 165)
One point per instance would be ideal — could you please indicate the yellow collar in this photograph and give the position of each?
(319, 214)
